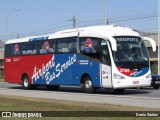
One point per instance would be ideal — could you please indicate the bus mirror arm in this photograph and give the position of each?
(151, 41)
(113, 43)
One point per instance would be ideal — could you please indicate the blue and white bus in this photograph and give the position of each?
(91, 57)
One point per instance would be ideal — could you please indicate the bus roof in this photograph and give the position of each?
(103, 31)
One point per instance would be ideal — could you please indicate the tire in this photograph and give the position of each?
(119, 91)
(25, 83)
(88, 86)
(53, 87)
(156, 87)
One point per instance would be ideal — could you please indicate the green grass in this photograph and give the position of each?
(24, 104)
(12, 103)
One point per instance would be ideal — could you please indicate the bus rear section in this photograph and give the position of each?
(62, 66)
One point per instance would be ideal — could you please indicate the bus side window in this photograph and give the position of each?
(16, 49)
(90, 47)
(67, 45)
(29, 48)
(8, 50)
(47, 46)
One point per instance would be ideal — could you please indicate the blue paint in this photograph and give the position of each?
(67, 70)
(140, 72)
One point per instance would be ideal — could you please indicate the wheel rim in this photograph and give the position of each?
(25, 82)
(88, 84)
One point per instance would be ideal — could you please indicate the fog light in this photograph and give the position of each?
(117, 76)
(149, 76)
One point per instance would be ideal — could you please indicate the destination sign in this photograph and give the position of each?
(127, 39)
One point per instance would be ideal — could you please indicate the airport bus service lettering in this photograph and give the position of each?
(51, 70)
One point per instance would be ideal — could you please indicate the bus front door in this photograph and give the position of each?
(105, 67)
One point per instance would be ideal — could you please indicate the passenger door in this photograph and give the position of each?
(105, 67)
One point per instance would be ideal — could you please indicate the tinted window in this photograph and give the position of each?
(15, 49)
(105, 57)
(12, 50)
(131, 53)
(7, 50)
(45, 47)
(90, 47)
(29, 48)
(66, 45)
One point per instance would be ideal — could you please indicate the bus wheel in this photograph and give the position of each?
(87, 85)
(53, 87)
(119, 91)
(25, 82)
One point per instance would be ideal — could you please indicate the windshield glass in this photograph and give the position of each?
(131, 53)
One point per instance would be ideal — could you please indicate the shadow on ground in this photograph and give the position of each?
(71, 89)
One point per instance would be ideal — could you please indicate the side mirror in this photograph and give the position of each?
(153, 44)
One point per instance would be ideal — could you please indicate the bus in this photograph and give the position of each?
(94, 57)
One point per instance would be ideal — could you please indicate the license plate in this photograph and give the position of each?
(135, 82)
(157, 82)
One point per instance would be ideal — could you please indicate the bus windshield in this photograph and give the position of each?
(131, 53)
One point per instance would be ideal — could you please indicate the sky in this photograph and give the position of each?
(38, 17)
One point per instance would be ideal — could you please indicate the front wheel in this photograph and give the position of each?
(88, 86)
(25, 82)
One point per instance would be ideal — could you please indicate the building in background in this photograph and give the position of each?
(1, 58)
(2, 43)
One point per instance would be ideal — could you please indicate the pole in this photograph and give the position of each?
(14, 10)
(74, 21)
(159, 37)
(105, 12)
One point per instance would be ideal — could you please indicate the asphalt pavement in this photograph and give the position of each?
(146, 97)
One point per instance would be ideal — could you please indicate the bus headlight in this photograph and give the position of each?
(149, 76)
(117, 76)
